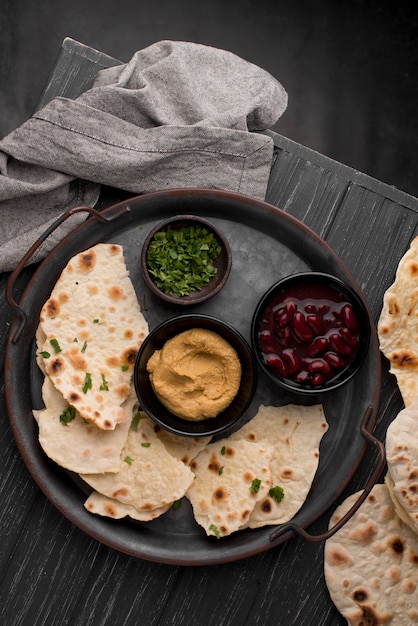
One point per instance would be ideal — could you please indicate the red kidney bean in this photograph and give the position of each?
(284, 315)
(334, 360)
(315, 322)
(276, 364)
(265, 336)
(319, 366)
(338, 344)
(317, 380)
(302, 377)
(291, 360)
(318, 346)
(284, 335)
(348, 317)
(300, 328)
(348, 337)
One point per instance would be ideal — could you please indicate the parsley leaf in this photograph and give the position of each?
(54, 343)
(128, 460)
(255, 485)
(176, 505)
(146, 444)
(87, 383)
(135, 421)
(104, 386)
(276, 493)
(215, 529)
(45, 354)
(223, 450)
(83, 349)
(67, 415)
(221, 470)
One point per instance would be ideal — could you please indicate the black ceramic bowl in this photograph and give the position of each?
(310, 332)
(222, 263)
(159, 413)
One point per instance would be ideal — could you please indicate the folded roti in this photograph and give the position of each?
(149, 478)
(79, 446)
(402, 461)
(371, 563)
(231, 477)
(93, 328)
(398, 324)
(295, 432)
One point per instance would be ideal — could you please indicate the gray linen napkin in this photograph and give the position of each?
(178, 114)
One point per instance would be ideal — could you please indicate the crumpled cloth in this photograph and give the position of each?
(178, 114)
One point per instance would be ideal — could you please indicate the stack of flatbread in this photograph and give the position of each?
(371, 564)
(90, 330)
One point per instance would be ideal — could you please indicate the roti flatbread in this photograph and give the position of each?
(398, 324)
(93, 328)
(371, 563)
(402, 460)
(230, 478)
(182, 448)
(149, 477)
(78, 445)
(99, 504)
(295, 432)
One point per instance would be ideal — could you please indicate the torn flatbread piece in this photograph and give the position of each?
(402, 461)
(295, 432)
(99, 504)
(149, 477)
(231, 477)
(93, 328)
(75, 444)
(398, 324)
(371, 563)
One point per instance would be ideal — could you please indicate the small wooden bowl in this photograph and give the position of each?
(222, 263)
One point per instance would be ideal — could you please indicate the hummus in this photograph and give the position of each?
(196, 374)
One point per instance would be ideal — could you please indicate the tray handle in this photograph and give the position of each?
(26, 258)
(381, 460)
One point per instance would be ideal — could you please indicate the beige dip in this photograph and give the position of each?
(196, 374)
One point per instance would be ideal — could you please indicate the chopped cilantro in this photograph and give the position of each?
(75, 340)
(124, 367)
(221, 470)
(176, 505)
(67, 415)
(223, 450)
(83, 349)
(135, 421)
(276, 493)
(105, 385)
(146, 444)
(87, 383)
(255, 485)
(54, 343)
(128, 460)
(96, 321)
(215, 530)
(181, 261)
(45, 354)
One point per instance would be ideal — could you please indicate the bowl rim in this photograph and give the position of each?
(211, 426)
(350, 370)
(216, 283)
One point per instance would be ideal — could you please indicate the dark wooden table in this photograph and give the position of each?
(53, 573)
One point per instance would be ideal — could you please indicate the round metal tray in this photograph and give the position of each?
(266, 245)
